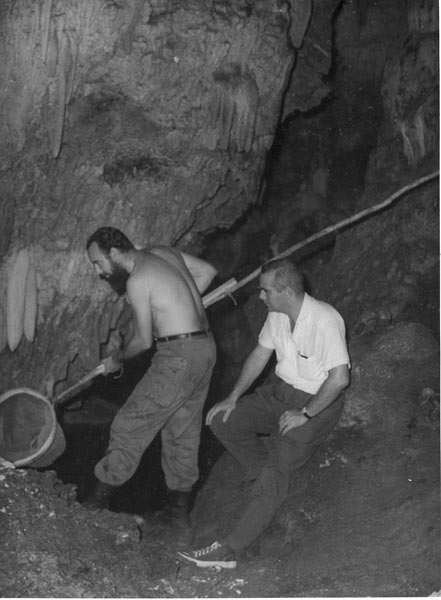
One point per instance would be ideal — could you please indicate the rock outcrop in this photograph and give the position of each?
(154, 118)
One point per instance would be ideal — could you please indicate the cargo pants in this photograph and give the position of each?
(270, 465)
(170, 397)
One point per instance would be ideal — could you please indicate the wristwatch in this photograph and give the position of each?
(305, 413)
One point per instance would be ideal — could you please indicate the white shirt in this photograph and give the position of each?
(316, 345)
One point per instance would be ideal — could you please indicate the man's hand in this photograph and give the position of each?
(291, 419)
(227, 406)
(111, 364)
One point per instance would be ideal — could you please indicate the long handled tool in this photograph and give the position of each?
(230, 286)
(64, 396)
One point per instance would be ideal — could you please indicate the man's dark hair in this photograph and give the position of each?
(110, 237)
(286, 274)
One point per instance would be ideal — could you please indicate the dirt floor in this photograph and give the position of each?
(362, 518)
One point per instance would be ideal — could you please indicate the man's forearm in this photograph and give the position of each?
(202, 272)
(329, 391)
(204, 279)
(252, 368)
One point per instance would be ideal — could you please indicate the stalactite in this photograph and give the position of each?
(420, 131)
(53, 52)
(31, 303)
(45, 26)
(414, 136)
(61, 103)
(300, 16)
(35, 30)
(233, 107)
(3, 320)
(59, 87)
(407, 146)
(71, 65)
(16, 296)
(126, 39)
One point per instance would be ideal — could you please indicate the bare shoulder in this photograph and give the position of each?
(153, 265)
(167, 253)
(146, 267)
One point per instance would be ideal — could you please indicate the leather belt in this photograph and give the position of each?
(183, 336)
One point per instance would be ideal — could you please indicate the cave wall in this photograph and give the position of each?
(376, 131)
(344, 156)
(386, 270)
(158, 117)
(154, 117)
(320, 159)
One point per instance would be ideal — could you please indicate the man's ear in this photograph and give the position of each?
(114, 253)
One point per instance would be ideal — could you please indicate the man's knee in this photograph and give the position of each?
(296, 448)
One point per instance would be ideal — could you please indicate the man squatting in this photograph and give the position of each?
(163, 287)
(300, 407)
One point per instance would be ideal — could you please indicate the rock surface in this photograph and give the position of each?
(154, 119)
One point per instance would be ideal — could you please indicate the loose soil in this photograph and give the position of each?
(362, 518)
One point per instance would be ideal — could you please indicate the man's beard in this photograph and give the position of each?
(117, 279)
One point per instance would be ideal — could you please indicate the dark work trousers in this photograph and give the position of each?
(170, 397)
(270, 464)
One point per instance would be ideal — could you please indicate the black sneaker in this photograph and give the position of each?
(215, 555)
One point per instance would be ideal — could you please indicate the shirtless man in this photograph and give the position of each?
(163, 287)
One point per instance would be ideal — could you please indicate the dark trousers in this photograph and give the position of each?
(270, 464)
(170, 398)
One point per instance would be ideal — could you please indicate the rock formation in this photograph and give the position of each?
(158, 117)
(153, 117)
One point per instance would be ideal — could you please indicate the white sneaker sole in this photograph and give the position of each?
(223, 564)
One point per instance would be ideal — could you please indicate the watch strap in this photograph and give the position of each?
(305, 413)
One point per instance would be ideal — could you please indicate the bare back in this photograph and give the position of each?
(170, 291)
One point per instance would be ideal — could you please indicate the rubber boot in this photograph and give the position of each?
(100, 497)
(175, 514)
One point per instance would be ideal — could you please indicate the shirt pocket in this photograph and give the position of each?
(309, 367)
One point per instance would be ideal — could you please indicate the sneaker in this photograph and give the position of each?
(215, 555)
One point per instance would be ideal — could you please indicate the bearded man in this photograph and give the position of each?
(163, 287)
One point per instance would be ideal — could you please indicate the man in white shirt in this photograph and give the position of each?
(300, 407)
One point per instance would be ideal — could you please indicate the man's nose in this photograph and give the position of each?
(261, 295)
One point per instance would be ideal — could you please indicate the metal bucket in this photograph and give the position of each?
(29, 431)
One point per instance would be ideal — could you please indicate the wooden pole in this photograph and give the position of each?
(232, 285)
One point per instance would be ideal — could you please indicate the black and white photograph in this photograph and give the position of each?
(219, 299)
